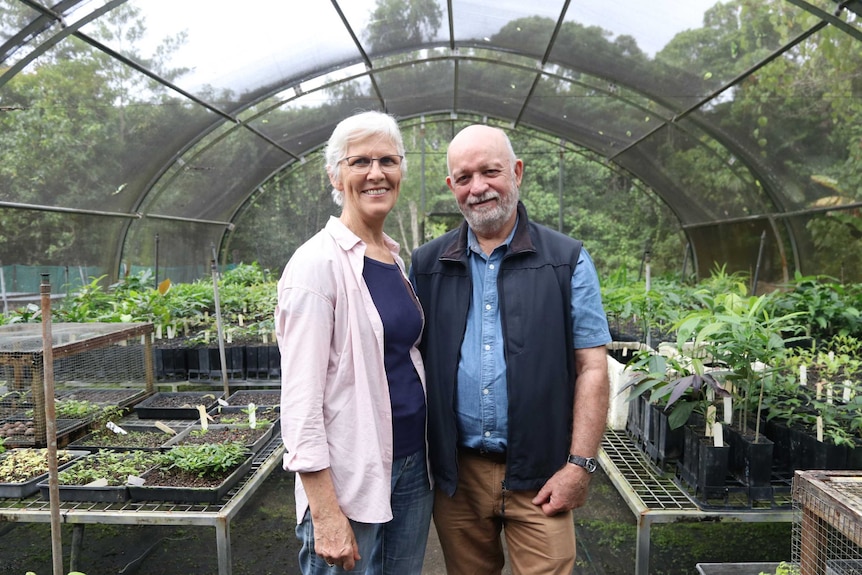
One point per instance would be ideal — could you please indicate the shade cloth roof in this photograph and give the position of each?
(744, 130)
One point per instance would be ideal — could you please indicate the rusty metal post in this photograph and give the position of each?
(51, 425)
(219, 325)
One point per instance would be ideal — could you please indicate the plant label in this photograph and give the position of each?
(116, 428)
(165, 428)
(717, 435)
(204, 417)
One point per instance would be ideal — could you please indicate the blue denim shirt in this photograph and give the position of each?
(482, 398)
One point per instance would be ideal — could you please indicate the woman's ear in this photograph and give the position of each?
(336, 182)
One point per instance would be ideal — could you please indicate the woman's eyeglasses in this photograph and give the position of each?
(362, 164)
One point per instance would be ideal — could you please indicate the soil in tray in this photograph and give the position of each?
(257, 397)
(177, 478)
(234, 415)
(134, 438)
(120, 397)
(244, 435)
(180, 399)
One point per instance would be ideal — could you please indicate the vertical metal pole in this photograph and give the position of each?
(648, 284)
(422, 195)
(156, 262)
(3, 290)
(759, 262)
(684, 262)
(51, 425)
(219, 326)
(560, 185)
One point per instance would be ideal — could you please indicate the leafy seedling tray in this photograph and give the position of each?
(26, 488)
(188, 493)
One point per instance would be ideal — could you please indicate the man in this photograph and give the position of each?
(514, 349)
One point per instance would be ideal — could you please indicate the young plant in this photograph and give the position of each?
(113, 467)
(682, 385)
(740, 333)
(23, 464)
(206, 459)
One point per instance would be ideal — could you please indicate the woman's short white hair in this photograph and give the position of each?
(358, 127)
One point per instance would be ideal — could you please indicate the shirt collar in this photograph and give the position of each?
(473, 241)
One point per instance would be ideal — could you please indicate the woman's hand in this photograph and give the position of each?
(334, 540)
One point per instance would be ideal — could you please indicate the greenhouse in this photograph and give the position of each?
(147, 146)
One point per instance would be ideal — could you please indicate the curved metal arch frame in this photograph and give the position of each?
(55, 15)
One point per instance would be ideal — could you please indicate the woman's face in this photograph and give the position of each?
(369, 177)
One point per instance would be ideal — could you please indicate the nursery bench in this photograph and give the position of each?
(654, 497)
(37, 510)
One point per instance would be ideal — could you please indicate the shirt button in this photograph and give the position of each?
(492, 266)
(486, 391)
(487, 434)
(487, 306)
(487, 348)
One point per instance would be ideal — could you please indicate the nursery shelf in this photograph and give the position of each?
(37, 510)
(654, 497)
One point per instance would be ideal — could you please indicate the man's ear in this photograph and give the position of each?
(519, 171)
(449, 183)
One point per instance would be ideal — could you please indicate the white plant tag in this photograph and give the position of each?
(116, 428)
(803, 375)
(101, 482)
(222, 402)
(204, 417)
(252, 416)
(165, 428)
(848, 388)
(135, 480)
(820, 428)
(717, 435)
(728, 410)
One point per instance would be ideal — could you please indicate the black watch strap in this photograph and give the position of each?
(588, 463)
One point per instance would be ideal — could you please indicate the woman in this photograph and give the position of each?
(353, 384)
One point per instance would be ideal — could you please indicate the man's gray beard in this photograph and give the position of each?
(488, 223)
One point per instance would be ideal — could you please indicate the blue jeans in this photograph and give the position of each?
(393, 548)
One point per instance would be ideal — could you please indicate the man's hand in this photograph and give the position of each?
(565, 490)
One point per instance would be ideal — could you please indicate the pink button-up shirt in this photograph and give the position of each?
(335, 408)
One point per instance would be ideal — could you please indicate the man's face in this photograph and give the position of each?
(484, 180)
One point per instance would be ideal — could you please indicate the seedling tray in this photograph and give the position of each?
(20, 490)
(177, 494)
(176, 405)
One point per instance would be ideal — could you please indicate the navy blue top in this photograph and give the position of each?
(402, 325)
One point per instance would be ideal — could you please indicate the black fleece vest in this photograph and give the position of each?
(534, 286)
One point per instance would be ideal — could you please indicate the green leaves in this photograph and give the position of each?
(206, 459)
(114, 467)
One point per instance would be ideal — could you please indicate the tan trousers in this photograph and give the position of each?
(469, 525)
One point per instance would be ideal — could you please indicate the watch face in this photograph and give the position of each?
(590, 464)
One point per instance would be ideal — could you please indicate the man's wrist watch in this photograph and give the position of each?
(588, 463)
